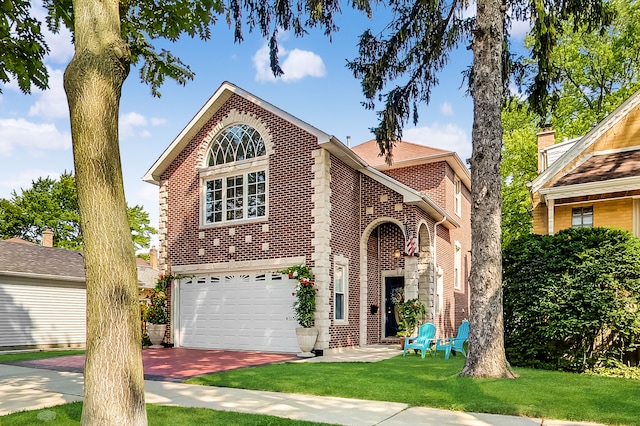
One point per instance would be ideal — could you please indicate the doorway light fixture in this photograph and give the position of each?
(397, 254)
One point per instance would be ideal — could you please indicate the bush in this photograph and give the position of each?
(571, 300)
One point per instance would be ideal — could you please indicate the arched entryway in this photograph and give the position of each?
(385, 267)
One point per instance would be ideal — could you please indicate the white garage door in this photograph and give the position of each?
(240, 311)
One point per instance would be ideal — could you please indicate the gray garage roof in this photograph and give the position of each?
(32, 260)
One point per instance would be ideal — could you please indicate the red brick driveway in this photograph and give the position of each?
(173, 364)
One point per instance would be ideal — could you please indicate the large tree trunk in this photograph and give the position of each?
(486, 336)
(113, 374)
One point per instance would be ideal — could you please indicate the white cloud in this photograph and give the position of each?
(34, 137)
(60, 45)
(130, 123)
(518, 28)
(155, 121)
(296, 64)
(446, 109)
(448, 136)
(23, 180)
(51, 103)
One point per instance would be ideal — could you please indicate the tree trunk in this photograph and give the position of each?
(486, 334)
(113, 374)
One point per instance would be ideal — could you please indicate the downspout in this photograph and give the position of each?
(435, 268)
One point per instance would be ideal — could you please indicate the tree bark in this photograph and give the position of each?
(486, 356)
(113, 374)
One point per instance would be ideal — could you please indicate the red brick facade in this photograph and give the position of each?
(367, 221)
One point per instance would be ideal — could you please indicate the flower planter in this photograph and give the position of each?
(156, 334)
(306, 340)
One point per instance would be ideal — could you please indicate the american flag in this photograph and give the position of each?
(411, 246)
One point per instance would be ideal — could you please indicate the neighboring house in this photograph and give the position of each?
(247, 189)
(42, 294)
(592, 181)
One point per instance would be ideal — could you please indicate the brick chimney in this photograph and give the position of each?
(47, 238)
(153, 257)
(546, 138)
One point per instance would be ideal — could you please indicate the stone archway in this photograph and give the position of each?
(364, 272)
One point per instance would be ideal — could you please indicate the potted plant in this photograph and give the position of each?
(304, 306)
(411, 313)
(154, 311)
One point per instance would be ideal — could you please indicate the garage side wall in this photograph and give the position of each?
(41, 314)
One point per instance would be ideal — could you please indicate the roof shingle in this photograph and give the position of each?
(38, 260)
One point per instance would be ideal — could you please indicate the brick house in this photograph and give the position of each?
(247, 189)
(593, 180)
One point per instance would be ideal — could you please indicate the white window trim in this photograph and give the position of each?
(457, 194)
(233, 169)
(341, 262)
(457, 266)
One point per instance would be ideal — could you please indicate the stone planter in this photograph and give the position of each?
(156, 334)
(306, 341)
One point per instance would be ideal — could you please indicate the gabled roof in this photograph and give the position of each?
(329, 142)
(598, 168)
(406, 154)
(577, 153)
(35, 261)
(224, 92)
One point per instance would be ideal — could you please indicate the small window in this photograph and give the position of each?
(582, 217)
(340, 286)
(236, 143)
(457, 266)
(457, 198)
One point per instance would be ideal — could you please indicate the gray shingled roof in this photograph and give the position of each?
(34, 260)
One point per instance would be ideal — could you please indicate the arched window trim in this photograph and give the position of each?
(236, 142)
(243, 169)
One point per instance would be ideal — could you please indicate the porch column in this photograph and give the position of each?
(550, 215)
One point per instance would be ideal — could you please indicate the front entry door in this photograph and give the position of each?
(390, 323)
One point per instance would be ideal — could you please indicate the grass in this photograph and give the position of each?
(69, 414)
(24, 356)
(433, 382)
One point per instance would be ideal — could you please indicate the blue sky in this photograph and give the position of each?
(35, 137)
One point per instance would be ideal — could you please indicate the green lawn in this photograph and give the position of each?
(23, 356)
(69, 414)
(433, 382)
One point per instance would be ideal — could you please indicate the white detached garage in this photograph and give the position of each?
(42, 297)
(236, 310)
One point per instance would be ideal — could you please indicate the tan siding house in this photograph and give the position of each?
(592, 181)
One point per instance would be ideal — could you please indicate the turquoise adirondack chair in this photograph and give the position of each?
(454, 343)
(422, 342)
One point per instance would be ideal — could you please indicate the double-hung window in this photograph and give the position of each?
(582, 217)
(457, 196)
(235, 181)
(340, 286)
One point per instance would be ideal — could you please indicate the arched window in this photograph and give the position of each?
(235, 192)
(236, 143)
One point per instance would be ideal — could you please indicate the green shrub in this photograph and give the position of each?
(571, 300)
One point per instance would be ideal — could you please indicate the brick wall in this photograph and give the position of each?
(288, 228)
(345, 242)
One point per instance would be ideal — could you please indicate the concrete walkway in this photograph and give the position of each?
(24, 388)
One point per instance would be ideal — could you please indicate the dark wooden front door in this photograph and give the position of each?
(390, 323)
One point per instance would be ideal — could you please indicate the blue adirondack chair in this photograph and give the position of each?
(422, 342)
(454, 343)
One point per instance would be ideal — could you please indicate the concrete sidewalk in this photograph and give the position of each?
(29, 388)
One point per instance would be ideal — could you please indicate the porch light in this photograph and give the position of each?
(397, 254)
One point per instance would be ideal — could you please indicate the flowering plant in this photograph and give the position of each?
(304, 304)
(154, 311)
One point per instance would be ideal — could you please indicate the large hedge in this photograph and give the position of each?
(571, 300)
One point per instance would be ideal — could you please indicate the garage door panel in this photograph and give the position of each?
(243, 311)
